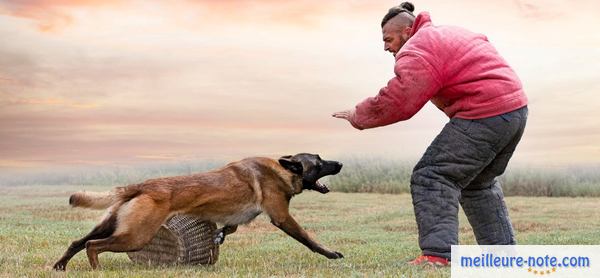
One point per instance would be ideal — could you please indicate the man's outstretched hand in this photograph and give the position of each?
(346, 115)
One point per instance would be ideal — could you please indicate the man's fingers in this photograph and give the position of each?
(347, 115)
(341, 114)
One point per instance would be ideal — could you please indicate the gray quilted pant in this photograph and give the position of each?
(461, 166)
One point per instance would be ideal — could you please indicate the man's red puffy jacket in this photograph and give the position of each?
(458, 70)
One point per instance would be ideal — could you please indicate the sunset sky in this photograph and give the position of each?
(110, 82)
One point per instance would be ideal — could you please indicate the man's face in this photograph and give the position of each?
(394, 37)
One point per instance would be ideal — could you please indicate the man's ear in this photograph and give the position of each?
(407, 31)
(292, 166)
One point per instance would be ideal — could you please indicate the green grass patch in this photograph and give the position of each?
(376, 233)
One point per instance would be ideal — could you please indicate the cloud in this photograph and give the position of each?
(46, 102)
(50, 15)
(56, 15)
(236, 78)
(542, 10)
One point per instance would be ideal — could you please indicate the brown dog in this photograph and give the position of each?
(232, 195)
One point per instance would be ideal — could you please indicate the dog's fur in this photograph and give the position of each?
(232, 195)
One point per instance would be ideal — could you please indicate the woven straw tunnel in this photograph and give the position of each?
(183, 239)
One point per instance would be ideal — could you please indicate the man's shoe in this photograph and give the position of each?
(430, 260)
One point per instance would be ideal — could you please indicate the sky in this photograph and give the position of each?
(111, 82)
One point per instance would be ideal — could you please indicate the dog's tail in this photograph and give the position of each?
(103, 200)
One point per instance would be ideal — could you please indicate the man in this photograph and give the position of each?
(464, 76)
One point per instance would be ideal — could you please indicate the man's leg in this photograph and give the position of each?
(462, 150)
(483, 199)
(488, 215)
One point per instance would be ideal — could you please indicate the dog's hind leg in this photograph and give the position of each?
(138, 222)
(121, 243)
(102, 230)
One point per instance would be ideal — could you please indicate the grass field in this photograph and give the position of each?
(376, 233)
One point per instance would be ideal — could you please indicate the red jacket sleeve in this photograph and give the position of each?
(415, 83)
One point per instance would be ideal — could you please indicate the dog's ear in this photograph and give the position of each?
(293, 166)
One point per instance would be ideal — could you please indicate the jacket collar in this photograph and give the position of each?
(422, 20)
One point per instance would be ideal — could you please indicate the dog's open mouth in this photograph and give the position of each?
(321, 187)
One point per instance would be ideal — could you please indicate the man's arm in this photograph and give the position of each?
(414, 84)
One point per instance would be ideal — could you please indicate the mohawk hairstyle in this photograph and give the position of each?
(405, 7)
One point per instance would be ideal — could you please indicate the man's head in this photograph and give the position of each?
(396, 26)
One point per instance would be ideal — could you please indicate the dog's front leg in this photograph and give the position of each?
(285, 222)
(222, 232)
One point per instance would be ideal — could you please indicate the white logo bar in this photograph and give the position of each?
(532, 261)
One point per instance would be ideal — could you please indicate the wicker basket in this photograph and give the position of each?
(183, 239)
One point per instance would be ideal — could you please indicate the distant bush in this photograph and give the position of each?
(363, 174)
(567, 181)
(108, 175)
(373, 175)
(393, 176)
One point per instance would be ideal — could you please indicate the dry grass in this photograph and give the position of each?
(376, 233)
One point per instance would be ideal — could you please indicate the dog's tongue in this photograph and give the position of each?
(321, 187)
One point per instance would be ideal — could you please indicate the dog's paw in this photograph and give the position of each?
(219, 238)
(335, 255)
(59, 266)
